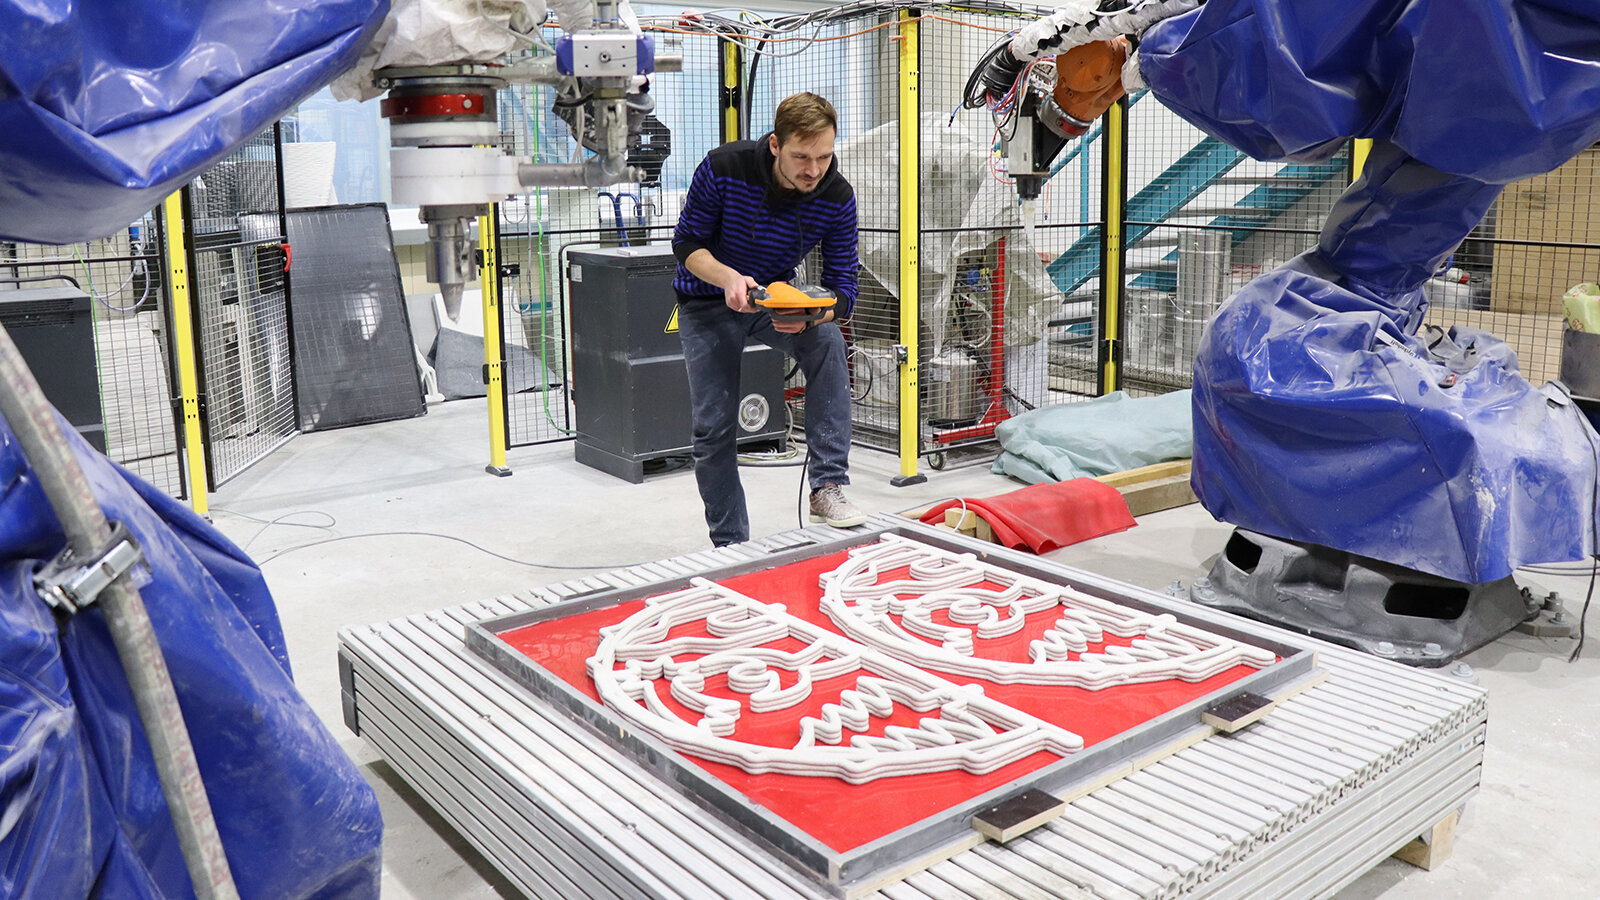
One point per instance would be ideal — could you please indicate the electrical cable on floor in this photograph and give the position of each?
(777, 459)
(782, 460)
(661, 465)
(931, 504)
(1583, 617)
(1576, 570)
(281, 520)
(800, 506)
(597, 567)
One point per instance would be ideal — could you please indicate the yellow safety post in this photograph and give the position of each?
(489, 278)
(194, 445)
(1115, 136)
(906, 352)
(1359, 148)
(732, 65)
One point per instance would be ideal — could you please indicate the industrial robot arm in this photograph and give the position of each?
(1458, 100)
(442, 79)
(1047, 83)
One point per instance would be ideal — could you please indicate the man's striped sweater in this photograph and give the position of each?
(734, 210)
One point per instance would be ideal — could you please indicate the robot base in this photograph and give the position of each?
(1381, 608)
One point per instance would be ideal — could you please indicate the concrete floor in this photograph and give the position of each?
(1528, 833)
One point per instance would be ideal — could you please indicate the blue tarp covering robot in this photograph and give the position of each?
(105, 108)
(82, 809)
(1320, 415)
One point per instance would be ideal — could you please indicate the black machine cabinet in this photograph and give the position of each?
(630, 390)
(53, 328)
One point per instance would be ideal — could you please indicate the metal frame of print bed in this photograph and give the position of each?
(863, 869)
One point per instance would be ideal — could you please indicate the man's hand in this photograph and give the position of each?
(735, 285)
(736, 292)
(797, 327)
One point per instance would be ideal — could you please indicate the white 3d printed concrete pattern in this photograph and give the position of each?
(970, 731)
(1162, 647)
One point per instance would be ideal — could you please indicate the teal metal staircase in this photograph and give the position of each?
(1170, 191)
(1203, 166)
(1265, 203)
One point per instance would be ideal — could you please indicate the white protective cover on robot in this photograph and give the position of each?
(955, 169)
(1065, 28)
(438, 32)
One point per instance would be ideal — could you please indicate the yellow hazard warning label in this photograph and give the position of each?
(672, 322)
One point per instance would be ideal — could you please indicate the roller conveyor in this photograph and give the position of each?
(1297, 805)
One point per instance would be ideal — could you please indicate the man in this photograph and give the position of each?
(754, 210)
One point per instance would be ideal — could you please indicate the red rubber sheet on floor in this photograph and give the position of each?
(1048, 516)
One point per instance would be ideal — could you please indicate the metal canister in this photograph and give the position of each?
(1205, 258)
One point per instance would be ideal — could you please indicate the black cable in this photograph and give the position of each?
(801, 508)
(15, 279)
(1017, 397)
(1583, 617)
(1594, 513)
(662, 465)
(979, 86)
(749, 98)
(866, 368)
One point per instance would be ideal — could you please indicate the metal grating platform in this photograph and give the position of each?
(1297, 805)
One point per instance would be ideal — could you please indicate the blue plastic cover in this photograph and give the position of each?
(105, 108)
(1320, 414)
(83, 813)
(1493, 89)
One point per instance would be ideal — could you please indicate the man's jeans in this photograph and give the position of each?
(714, 338)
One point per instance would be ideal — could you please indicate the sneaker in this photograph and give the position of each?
(829, 505)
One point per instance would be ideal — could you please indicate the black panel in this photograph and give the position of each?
(353, 358)
(53, 329)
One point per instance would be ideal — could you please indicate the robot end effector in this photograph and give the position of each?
(445, 128)
(1046, 84)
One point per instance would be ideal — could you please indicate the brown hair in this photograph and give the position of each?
(803, 115)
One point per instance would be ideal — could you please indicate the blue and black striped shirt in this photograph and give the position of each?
(734, 210)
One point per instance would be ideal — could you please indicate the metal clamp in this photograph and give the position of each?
(68, 585)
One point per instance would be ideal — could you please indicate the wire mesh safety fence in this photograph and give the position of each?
(996, 333)
(1010, 299)
(239, 287)
(1009, 290)
(127, 344)
(1540, 240)
(1202, 219)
